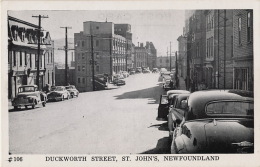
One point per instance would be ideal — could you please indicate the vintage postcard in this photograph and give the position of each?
(129, 83)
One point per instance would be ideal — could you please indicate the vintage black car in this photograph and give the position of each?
(118, 82)
(29, 95)
(165, 101)
(217, 121)
(177, 111)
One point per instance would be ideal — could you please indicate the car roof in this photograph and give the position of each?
(198, 100)
(177, 92)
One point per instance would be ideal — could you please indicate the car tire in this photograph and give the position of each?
(15, 108)
(26, 107)
(44, 104)
(68, 97)
(33, 106)
(62, 99)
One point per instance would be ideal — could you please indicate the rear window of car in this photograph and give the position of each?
(237, 108)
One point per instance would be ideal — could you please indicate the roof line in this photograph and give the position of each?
(21, 21)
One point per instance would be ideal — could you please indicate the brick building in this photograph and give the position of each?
(22, 56)
(152, 55)
(243, 73)
(182, 56)
(141, 55)
(164, 62)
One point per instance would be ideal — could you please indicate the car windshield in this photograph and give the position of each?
(240, 108)
(58, 89)
(26, 89)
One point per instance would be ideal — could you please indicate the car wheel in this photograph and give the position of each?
(62, 99)
(68, 97)
(33, 106)
(26, 107)
(15, 108)
(44, 104)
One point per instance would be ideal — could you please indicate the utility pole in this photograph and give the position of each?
(176, 65)
(92, 62)
(38, 50)
(66, 54)
(170, 56)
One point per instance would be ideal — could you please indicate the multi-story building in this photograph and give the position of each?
(243, 73)
(197, 45)
(23, 54)
(164, 62)
(182, 56)
(141, 55)
(109, 53)
(152, 55)
(124, 30)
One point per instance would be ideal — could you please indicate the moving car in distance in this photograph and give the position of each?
(138, 70)
(72, 90)
(29, 95)
(217, 121)
(132, 71)
(58, 94)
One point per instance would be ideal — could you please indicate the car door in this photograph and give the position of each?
(163, 108)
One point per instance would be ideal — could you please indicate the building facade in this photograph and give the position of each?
(243, 73)
(23, 55)
(219, 48)
(182, 56)
(141, 54)
(152, 55)
(164, 62)
(109, 53)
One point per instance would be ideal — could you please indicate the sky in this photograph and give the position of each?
(158, 26)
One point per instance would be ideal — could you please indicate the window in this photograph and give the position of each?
(23, 34)
(83, 80)
(48, 57)
(30, 60)
(51, 57)
(83, 68)
(15, 35)
(78, 68)
(78, 55)
(36, 61)
(25, 59)
(248, 27)
(21, 59)
(82, 43)
(82, 55)
(78, 80)
(97, 27)
(14, 58)
(239, 31)
(207, 48)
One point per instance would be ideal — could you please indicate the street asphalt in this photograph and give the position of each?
(121, 120)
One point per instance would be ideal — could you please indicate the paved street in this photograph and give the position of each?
(116, 121)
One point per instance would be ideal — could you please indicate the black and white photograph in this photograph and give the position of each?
(105, 86)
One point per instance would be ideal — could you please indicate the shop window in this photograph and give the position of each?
(79, 80)
(21, 59)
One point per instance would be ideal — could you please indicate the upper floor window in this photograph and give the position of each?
(82, 43)
(248, 27)
(21, 58)
(239, 30)
(23, 35)
(97, 27)
(83, 57)
(15, 34)
(78, 68)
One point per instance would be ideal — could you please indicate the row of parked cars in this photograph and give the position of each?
(29, 95)
(209, 121)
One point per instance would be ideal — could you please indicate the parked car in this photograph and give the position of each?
(125, 74)
(218, 121)
(59, 93)
(119, 82)
(72, 90)
(155, 70)
(132, 72)
(29, 95)
(138, 70)
(176, 111)
(146, 71)
(163, 109)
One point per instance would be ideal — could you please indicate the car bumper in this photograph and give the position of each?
(17, 104)
(54, 98)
